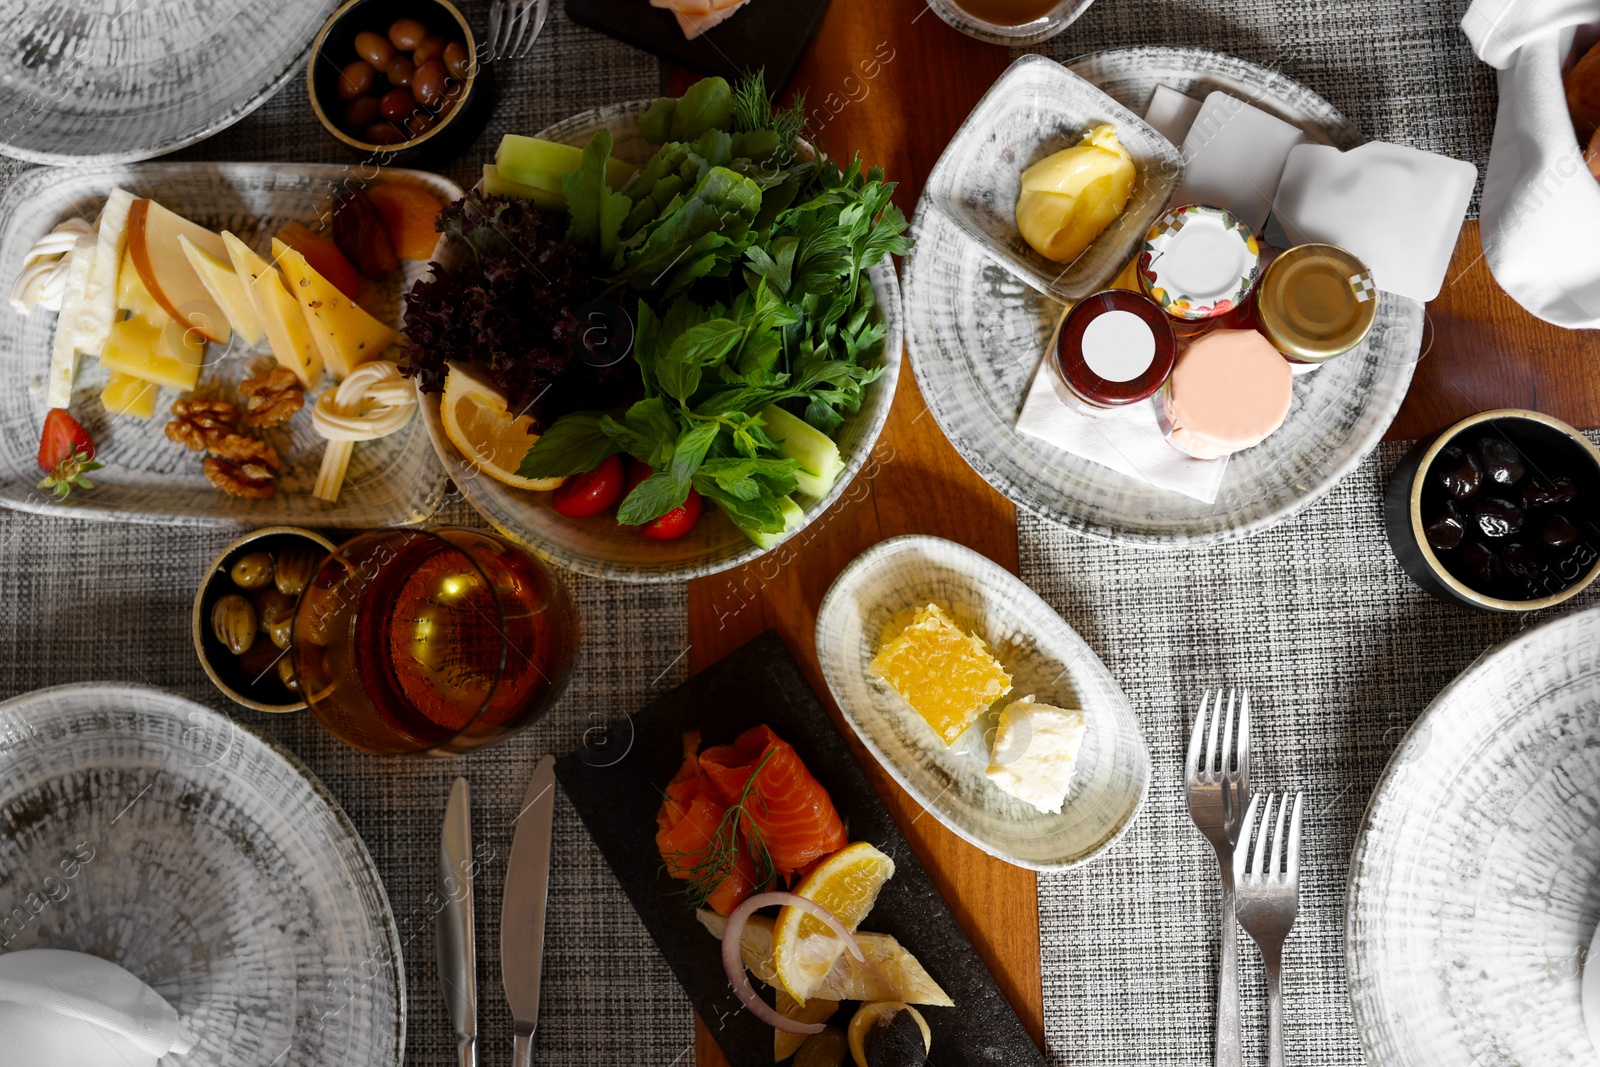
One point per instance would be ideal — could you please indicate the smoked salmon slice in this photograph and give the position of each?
(789, 810)
(687, 826)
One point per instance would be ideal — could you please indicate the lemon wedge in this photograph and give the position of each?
(847, 884)
(478, 421)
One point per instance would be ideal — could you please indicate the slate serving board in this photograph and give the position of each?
(618, 802)
(765, 33)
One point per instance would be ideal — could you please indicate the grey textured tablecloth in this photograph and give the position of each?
(1341, 650)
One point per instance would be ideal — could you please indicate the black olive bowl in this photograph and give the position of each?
(334, 47)
(221, 666)
(1550, 449)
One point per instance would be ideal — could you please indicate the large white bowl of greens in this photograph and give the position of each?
(703, 296)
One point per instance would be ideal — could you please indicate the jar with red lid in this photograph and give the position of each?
(1114, 348)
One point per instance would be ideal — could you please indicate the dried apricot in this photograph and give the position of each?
(409, 211)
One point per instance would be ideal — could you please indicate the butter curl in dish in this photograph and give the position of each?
(1069, 198)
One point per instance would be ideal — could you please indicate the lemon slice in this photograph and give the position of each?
(847, 884)
(477, 420)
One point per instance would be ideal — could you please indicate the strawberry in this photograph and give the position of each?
(66, 454)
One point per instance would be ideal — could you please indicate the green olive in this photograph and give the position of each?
(258, 662)
(825, 1048)
(295, 567)
(286, 674)
(273, 607)
(252, 571)
(281, 631)
(233, 621)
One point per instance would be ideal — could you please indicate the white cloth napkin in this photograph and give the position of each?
(68, 1009)
(1541, 207)
(1128, 440)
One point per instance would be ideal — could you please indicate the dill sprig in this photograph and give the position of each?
(753, 109)
(720, 857)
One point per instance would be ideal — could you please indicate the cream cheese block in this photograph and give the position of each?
(1035, 752)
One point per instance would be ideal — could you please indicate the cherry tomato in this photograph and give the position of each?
(588, 494)
(675, 523)
(637, 472)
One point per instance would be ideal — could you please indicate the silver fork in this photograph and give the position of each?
(1217, 792)
(513, 27)
(1269, 897)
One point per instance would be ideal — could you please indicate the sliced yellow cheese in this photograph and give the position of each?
(226, 288)
(345, 335)
(164, 353)
(126, 395)
(133, 297)
(279, 313)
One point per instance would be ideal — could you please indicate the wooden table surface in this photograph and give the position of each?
(891, 80)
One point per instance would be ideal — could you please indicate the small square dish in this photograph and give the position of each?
(1035, 109)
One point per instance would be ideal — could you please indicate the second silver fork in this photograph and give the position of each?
(1217, 792)
(1269, 898)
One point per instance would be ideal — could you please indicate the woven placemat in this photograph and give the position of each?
(1341, 652)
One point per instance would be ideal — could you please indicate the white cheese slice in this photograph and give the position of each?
(1035, 752)
(64, 350)
(92, 325)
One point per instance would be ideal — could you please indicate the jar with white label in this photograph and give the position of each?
(1115, 348)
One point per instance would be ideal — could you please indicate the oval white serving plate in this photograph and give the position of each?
(1475, 884)
(598, 546)
(1046, 658)
(147, 478)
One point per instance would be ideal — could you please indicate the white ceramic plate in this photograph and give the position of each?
(599, 546)
(1045, 657)
(147, 478)
(209, 864)
(95, 82)
(1475, 883)
(975, 334)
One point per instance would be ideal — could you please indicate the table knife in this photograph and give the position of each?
(454, 945)
(522, 913)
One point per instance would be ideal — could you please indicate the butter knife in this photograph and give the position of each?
(454, 945)
(522, 913)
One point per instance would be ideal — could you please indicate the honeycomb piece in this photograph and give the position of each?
(946, 674)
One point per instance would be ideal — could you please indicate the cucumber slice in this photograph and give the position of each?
(793, 517)
(541, 164)
(820, 462)
(497, 184)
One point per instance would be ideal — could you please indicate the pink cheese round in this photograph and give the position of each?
(1229, 390)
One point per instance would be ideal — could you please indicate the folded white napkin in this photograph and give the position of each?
(1541, 208)
(1128, 440)
(68, 1009)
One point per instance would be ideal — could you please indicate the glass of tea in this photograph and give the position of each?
(432, 640)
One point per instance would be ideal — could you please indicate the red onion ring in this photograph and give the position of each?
(734, 965)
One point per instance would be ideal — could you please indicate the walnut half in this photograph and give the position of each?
(252, 480)
(271, 398)
(200, 422)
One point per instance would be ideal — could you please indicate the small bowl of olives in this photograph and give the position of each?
(394, 77)
(244, 615)
(1500, 511)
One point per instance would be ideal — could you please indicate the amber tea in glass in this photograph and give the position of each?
(432, 639)
(1007, 12)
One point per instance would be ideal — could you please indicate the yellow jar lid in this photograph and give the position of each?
(1315, 302)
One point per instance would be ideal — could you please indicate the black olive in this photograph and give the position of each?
(896, 1041)
(1501, 461)
(1460, 472)
(1558, 531)
(1448, 528)
(1538, 491)
(1479, 566)
(1497, 517)
(1523, 562)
